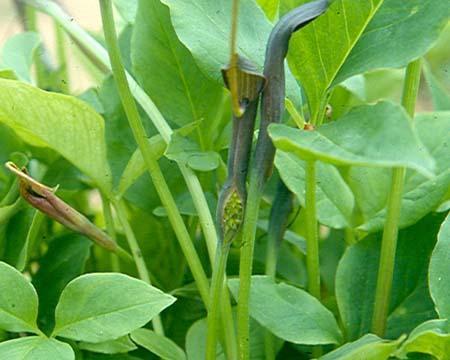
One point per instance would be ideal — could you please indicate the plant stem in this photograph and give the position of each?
(62, 58)
(99, 54)
(137, 255)
(152, 165)
(109, 221)
(390, 233)
(217, 287)
(312, 240)
(246, 264)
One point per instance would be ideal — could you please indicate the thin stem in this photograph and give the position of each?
(390, 233)
(312, 240)
(217, 287)
(99, 54)
(109, 221)
(137, 255)
(246, 265)
(62, 58)
(152, 165)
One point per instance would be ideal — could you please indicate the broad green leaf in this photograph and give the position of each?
(104, 306)
(411, 27)
(159, 345)
(377, 135)
(188, 95)
(431, 337)
(334, 198)
(64, 260)
(206, 33)
(439, 94)
(116, 346)
(8, 211)
(289, 313)
(356, 278)
(186, 151)
(65, 124)
(127, 9)
(369, 347)
(316, 56)
(439, 275)
(18, 301)
(35, 348)
(421, 194)
(270, 8)
(18, 53)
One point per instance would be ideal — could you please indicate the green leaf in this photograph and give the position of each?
(18, 301)
(373, 135)
(18, 53)
(64, 260)
(159, 345)
(35, 348)
(186, 151)
(369, 347)
(270, 8)
(335, 200)
(116, 346)
(316, 58)
(431, 337)
(206, 33)
(356, 278)
(289, 313)
(412, 28)
(439, 275)
(104, 306)
(65, 124)
(188, 95)
(439, 94)
(421, 194)
(127, 9)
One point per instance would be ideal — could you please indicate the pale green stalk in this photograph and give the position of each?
(153, 167)
(390, 233)
(137, 256)
(312, 240)
(97, 52)
(109, 222)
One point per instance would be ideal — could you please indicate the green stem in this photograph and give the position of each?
(217, 287)
(390, 233)
(154, 170)
(99, 54)
(62, 58)
(137, 255)
(109, 221)
(312, 240)
(246, 265)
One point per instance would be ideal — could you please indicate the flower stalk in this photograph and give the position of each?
(272, 108)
